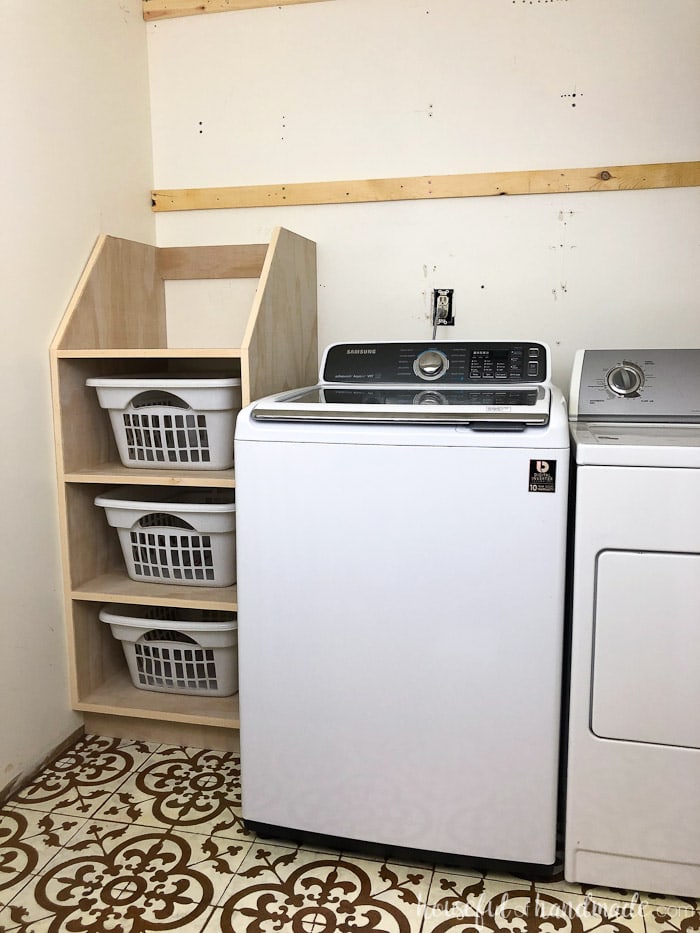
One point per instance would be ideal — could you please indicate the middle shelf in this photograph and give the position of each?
(115, 472)
(117, 587)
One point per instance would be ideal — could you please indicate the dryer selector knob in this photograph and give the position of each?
(625, 380)
(431, 364)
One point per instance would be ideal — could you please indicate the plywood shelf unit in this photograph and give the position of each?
(117, 324)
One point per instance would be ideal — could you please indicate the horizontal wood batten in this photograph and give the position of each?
(166, 9)
(211, 262)
(546, 181)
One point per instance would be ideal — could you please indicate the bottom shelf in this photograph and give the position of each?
(117, 696)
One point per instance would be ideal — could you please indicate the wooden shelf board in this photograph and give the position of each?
(119, 588)
(119, 474)
(116, 322)
(117, 696)
(431, 187)
(154, 353)
(163, 9)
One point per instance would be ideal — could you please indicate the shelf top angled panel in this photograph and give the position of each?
(119, 300)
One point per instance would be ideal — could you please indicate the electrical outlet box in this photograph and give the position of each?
(443, 307)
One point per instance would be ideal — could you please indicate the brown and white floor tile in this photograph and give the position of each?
(670, 917)
(298, 890)
(461, 902)
(29, 839)
(79, 781)
(126, 879)
(184, 787)
(129, 837)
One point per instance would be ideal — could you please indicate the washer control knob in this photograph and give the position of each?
(429, 397)
(431, 364)
(625, 380)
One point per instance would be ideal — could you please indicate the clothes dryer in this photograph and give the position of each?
(633, 782)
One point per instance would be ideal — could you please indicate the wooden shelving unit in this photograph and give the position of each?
(116, 323)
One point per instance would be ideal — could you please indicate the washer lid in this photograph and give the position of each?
(511, 408)
(637, 445)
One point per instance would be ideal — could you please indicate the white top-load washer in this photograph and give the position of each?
(401, 576)
(633, 784)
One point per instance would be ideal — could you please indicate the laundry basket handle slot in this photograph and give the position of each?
(159, 634)
(162, 520)
(157, 397)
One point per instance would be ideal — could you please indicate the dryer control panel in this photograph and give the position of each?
(444, 362)
(636, 386)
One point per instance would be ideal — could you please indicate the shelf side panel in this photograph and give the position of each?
(119, 300)
(93, 546)
(281, 340)
(98, 656)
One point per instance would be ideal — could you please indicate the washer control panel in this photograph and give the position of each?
(452, 362)
(625, 379)
(636, 386)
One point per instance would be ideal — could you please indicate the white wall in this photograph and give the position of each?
(379, 88)
(344, 89)
(76, 161)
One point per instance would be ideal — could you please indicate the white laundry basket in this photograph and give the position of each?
(161, 422)
(181, 536)
(171, 650)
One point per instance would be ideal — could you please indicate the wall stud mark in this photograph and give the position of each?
(572, 97)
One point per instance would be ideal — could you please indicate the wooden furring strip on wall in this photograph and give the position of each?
(548, 181)
(166, 9)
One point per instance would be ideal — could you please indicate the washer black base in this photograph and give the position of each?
(530, 870)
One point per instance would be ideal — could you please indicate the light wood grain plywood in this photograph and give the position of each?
(119, 301)
(211, 262)
(98, 656)
(281, 338)
(195, 356)
(224, 738)
(95, 338)
(86, 434)
(115, 586)
(94, 547)
(118, 695)
(114, 472)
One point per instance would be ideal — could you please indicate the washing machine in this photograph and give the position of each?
(633, 785)
(401, 577)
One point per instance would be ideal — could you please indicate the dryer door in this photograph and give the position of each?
(646, 664)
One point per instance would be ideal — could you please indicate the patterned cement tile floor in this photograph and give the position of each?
(126, 836)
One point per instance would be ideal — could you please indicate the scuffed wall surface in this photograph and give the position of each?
(378, 88)
(76, 162)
